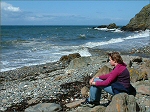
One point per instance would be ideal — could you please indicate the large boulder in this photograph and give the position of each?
(104, 70)
(143, 89)
(145, 69)
(120, 103)
(134, 75)
(85, 91)
(79, 62)
(141, 21)
(68, 58)
(123, 103)
(44, 107)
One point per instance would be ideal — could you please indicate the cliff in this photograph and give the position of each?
(141, 21)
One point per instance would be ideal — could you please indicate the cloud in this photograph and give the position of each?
(8, 7)
(40, 17)
(9, 13)
(14, 15)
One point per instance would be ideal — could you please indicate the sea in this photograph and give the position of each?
(33, 45)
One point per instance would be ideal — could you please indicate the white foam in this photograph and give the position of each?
(117, 30)
(65, 50)
(104, 29)
(7, 69)
(82, 51)
(82, 36)
(94, 44)
(142, 34)
(46, 56)
(112, 30)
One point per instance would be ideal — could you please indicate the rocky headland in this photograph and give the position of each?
(141, 21)
(62, 85)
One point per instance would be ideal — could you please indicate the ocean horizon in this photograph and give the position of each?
(26, 45)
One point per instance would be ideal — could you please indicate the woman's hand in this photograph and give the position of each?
(91, 82)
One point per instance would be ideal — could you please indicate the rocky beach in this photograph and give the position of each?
(62, 85)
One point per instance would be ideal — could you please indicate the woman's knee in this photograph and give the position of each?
(109, 90)
(97, 79)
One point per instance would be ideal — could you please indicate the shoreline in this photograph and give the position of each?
(12, 64)
(141, 52)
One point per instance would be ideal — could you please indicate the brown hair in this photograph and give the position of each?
(115, 56)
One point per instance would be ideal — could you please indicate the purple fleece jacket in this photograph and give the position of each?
(120, 74)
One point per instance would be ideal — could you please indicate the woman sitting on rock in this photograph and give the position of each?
(117, 81)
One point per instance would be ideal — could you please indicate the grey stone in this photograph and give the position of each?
(79, 62)
(123, 103)
(44, 107)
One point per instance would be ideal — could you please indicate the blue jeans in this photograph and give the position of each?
(95, 91)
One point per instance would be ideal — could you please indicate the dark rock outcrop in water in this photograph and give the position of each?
(141, 21)
(110, 26)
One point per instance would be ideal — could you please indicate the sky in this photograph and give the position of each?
(69, 12)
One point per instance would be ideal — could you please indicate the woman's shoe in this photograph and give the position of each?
(89, 104)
